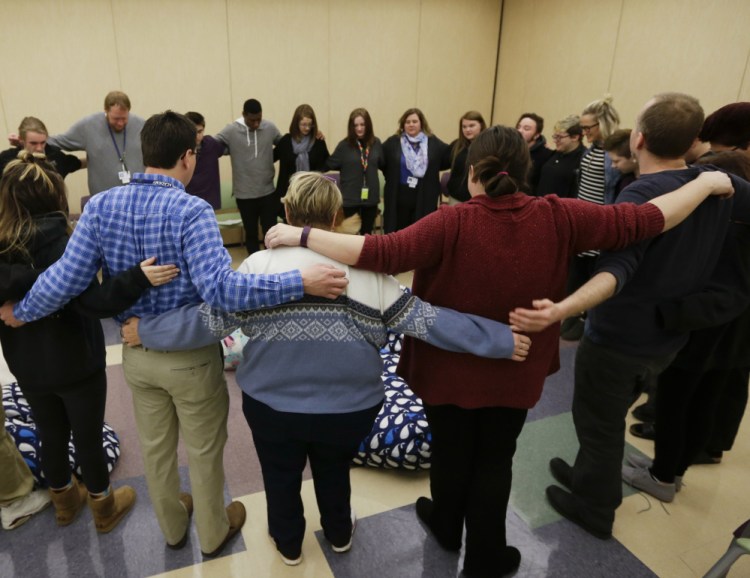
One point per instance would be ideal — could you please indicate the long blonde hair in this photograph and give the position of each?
(29, 188)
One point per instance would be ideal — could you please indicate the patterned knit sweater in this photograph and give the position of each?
(486, 257)
(318, 355)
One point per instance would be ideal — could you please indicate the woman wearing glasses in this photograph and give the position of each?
(596, 184)
(300, 149)
(560, 173)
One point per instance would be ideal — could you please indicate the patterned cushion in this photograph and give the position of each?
(20, 425)
(400, 437)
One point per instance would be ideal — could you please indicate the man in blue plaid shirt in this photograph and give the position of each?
(173, 391)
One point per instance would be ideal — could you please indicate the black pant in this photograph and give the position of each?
(406, 207)
(607, 382)
(367, 214)
(470, 477)
(730, 411)
(284, 441)
(686, 414)
(78, 408)
(251, 210)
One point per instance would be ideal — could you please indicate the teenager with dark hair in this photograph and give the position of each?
(206, 181)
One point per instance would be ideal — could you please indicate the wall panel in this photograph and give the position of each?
(456, 61)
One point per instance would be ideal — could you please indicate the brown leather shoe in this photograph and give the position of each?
(236, 514)
(187, 502)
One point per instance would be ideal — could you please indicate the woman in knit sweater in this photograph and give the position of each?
(476, 407)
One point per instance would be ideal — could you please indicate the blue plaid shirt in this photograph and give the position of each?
(154, 216)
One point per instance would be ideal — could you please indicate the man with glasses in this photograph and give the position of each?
(560, 173)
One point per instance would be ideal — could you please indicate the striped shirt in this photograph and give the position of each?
(154, 216)
(592, 182)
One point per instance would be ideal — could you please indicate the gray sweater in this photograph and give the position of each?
(91, 134)
(251, 152)
(318, 355)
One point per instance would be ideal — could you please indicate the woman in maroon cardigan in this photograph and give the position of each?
(476, 407)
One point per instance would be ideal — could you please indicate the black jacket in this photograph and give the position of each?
(428, 188)
(284, 153)
(67, 346)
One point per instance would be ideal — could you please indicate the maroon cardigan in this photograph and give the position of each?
(488, 256)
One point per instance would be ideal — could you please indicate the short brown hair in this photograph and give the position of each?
(31, 124)
(618, 142)
(671, 124)
(312, 199)
(422, 121)
(116, 98)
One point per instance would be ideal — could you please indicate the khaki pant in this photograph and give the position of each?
(16, 480)
(182, 393)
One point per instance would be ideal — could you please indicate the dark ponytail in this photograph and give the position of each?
(501, 161)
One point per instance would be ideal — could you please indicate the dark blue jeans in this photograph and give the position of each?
(284, 442)
(607, 383)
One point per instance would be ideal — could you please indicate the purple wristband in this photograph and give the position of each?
(305, 235)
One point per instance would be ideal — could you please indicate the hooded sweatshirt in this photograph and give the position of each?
(252, 157)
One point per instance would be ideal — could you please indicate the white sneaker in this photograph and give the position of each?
(348, 546)
(21, 510)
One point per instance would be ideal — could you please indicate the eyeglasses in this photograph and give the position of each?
(560, 136)
(585, 128)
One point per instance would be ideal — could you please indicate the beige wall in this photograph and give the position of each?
(61, 57)
(556, 56)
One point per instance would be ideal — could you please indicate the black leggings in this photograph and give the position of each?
(78, 408)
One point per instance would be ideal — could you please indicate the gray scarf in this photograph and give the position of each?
(301, 150)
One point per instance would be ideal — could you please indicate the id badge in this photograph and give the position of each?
(365, 194)
(124, 177)
(412, 182)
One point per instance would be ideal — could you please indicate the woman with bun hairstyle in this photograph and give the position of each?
(358, 158)
(488, 256)
(413, 158)
(469, 126)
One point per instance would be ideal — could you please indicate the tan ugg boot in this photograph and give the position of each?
(110, 509)
(68, 502)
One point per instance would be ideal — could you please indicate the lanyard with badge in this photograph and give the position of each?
(364, 155)
(124, 173)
